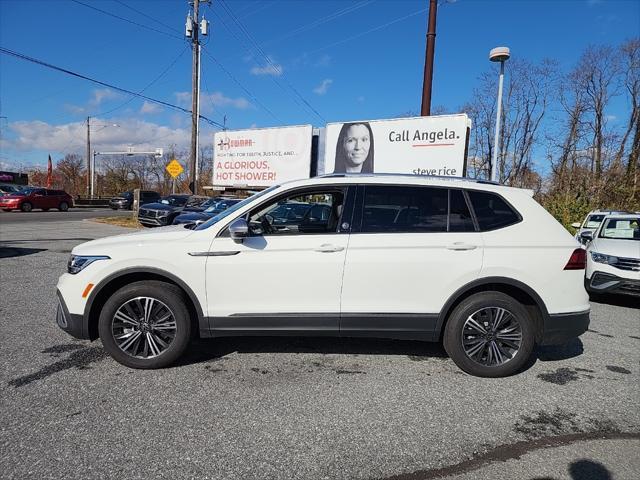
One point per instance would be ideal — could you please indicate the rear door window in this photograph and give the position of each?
(460, 219)
(492, 211)
(404, 209)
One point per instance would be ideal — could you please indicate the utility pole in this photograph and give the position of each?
(89, 192)
(425, 111)
(193, 28)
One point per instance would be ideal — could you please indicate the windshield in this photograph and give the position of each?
(234, 208)
(621, 228)
(593, 221)
(174, 201)
(24, 192)
(125, 195)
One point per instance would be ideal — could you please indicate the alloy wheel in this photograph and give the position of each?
(491, 336)
(143, 327)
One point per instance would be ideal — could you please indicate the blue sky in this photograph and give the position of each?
(346, 59)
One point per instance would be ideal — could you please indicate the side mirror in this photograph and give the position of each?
(576, 225)
(587, 235)
(239, 230)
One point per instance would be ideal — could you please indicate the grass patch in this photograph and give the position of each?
(129, 222)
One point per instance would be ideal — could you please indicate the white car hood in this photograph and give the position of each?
(140, 238)
(617, 248)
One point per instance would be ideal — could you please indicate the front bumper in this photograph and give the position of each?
(601, 282)
(561, 327)
(154, 222)
(71, 323)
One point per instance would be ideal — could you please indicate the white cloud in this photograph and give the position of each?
(323, 61)
(98, 97)
(26, 136)
(215, 99)
(323, 87)
(150, 108)
(274, 69)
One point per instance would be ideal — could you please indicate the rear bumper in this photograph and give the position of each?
(601, 282)
(562, 327)
(71, 323)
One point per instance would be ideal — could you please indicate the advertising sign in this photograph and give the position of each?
(420, 146)
(261, 157)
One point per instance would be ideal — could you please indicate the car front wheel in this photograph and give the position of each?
(145, 325)
(26, 207)
(490, 334)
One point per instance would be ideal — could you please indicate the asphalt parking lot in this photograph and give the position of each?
(297, 408)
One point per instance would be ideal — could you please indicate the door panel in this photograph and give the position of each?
(276, 274)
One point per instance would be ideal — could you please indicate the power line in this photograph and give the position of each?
(21, 56)
(149, 17)
(268, 60)
(141, 25)
(162, 74)
(237, 82)
(371, 30)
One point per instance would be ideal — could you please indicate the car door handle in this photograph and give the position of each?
(461, 246)
(328, 248)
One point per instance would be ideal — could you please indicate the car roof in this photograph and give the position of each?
(404, 179)
(624, 215)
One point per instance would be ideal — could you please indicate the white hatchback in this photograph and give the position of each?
(480, 267)
(613, 256)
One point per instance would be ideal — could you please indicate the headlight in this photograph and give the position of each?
(602, 258)
(162, 213)
(78, 263)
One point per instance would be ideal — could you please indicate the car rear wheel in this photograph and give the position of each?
(26, 207)
(63, 207)
(489, 334)
(145, 325)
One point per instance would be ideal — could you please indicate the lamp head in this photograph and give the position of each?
(499, 54)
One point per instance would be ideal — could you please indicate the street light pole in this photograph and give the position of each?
(498, 54)
(89, 189)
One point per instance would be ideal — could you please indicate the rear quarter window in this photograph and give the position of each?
(492, 211)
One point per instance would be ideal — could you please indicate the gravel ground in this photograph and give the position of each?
(291, 407)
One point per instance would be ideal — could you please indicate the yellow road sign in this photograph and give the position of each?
(174, 168)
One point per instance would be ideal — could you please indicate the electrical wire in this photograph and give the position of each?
(237, 82)
(149, 17)
(162, 74)
(141, 25)
(21, 56)
(268, 60)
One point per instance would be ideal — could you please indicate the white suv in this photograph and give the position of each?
(481, 267)
(613, 256)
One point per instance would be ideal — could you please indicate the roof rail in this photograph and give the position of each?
(410, 175)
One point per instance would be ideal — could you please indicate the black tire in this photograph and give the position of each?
(475, 305)
(26, 207)
(172, 297)
(63, 207)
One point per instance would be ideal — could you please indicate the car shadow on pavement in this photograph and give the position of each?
(202, 350)
(553, 353)
(616, 300)
(584, 470)
(11, 252)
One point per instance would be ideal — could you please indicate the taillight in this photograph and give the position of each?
(578, 260)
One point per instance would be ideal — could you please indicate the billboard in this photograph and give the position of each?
(261, 157)
(420, 146)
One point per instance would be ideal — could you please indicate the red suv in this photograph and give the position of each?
(30, 198)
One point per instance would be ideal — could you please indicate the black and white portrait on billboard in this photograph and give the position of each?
(354, 149)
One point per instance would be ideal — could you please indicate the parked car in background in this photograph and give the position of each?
(124, 201)
(482, 267)
(613, 256)
(159, 214)
(194, 217)
(33, 197)
(8, 189)
(592, 221)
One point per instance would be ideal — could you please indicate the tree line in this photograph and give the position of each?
(557, 137)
